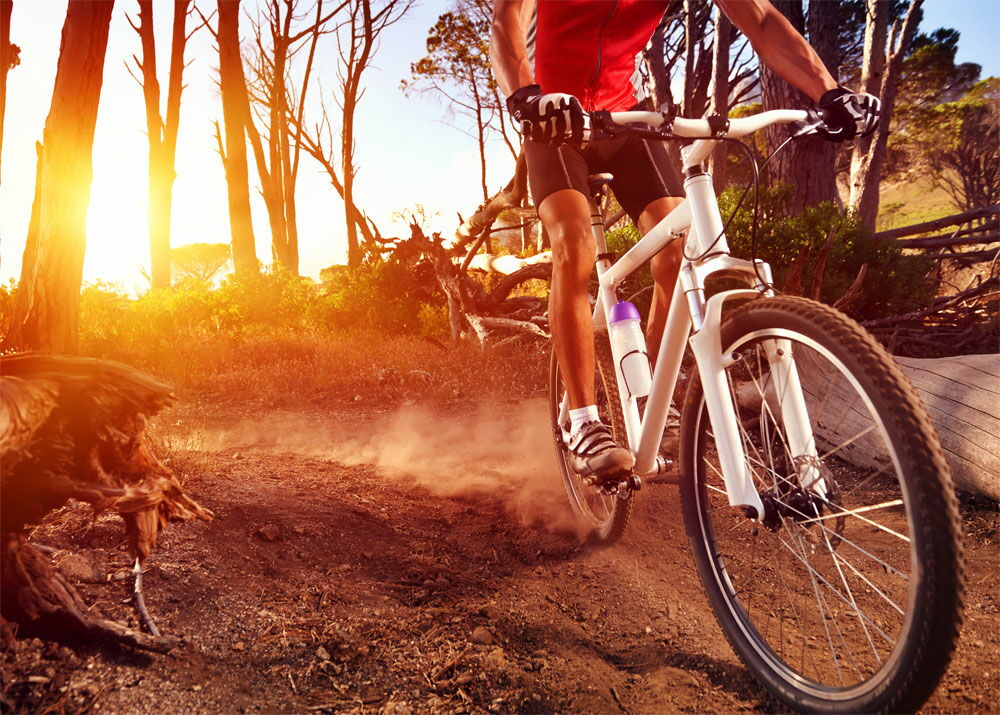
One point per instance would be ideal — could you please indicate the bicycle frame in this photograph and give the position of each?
(697, 320)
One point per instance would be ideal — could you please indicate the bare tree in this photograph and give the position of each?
(9, 58)
(666, 57)
(357, 44)
(273, 103)
(697, 57)
(869, 157)
(46, 314)
(720, 88)
(162, 132)
(457, 69)
(233, 152)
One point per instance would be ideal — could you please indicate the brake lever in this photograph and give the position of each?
(815, 118)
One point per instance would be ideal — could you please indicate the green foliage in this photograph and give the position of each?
(895, 283)
(930, 74)
(619, 241)
(957, 145)
(457, 64)
(434, 321)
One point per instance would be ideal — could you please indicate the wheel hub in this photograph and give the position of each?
(794, 504)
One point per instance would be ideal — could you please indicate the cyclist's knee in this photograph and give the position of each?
(666, 263)
(573, 246)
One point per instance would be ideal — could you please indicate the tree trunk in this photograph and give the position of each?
(720, 91)
(657, 66)
(865, 181)
(233, 87)
(480, 133)
(807, 164)
(872, 71)
(47, 313)
(696, 60)
(6, 57)
(162, 133)
(347, 167)
(278, 128)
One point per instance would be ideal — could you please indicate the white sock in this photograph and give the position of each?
(582, 415)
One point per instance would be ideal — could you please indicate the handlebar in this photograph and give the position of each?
(613, 123)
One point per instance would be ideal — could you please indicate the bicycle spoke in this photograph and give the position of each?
(850, 594)
(816, 574)
(856, 513)
(821, 602)
(840, 446)
(852, 512)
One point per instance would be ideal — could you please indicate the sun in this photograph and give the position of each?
(117, 222)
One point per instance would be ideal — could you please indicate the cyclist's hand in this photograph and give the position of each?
(848, 114)
(549, 118)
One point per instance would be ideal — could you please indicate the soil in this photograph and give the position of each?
(385, 559)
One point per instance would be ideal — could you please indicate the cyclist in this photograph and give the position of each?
(563, 58)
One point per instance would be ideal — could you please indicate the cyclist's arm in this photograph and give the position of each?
(508, 51)
(779, 45)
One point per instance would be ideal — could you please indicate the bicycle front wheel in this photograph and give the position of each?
(606, 515)
(847, 596)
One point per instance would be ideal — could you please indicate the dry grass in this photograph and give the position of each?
(286, 370)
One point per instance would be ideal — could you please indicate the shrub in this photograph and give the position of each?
(380, 295)
(895, 283)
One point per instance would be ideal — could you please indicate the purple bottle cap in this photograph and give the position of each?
(623, 310)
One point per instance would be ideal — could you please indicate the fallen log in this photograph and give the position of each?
(961, 394)
(966, 239)
(938, 224)
(967, 256)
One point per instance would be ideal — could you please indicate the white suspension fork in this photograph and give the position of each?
(794, 414)
(706, 344)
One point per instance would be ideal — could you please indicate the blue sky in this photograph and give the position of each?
(406, 152)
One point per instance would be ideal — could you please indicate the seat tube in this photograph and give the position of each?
(605, 297)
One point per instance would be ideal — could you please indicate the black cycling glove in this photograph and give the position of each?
(549, 118)
(848, 114)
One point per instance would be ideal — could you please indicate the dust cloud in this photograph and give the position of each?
(487, 454)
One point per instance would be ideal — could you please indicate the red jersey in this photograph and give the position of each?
(588, 48)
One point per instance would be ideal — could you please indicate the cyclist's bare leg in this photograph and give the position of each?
(665, 266)
(566, 217)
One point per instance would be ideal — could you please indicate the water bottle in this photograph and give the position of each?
(628, 346)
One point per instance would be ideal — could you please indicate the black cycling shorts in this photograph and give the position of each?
(644, 171)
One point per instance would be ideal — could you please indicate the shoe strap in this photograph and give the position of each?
(592, 438)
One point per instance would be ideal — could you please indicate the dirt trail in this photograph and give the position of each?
(415, 560)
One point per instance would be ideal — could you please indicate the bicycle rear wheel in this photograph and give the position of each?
(606, 515)
(848, 597)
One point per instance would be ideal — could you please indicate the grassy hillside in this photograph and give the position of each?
(908, 202)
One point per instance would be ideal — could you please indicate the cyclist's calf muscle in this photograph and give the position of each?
(566, 217)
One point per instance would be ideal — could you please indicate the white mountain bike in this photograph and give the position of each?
(815, 494)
